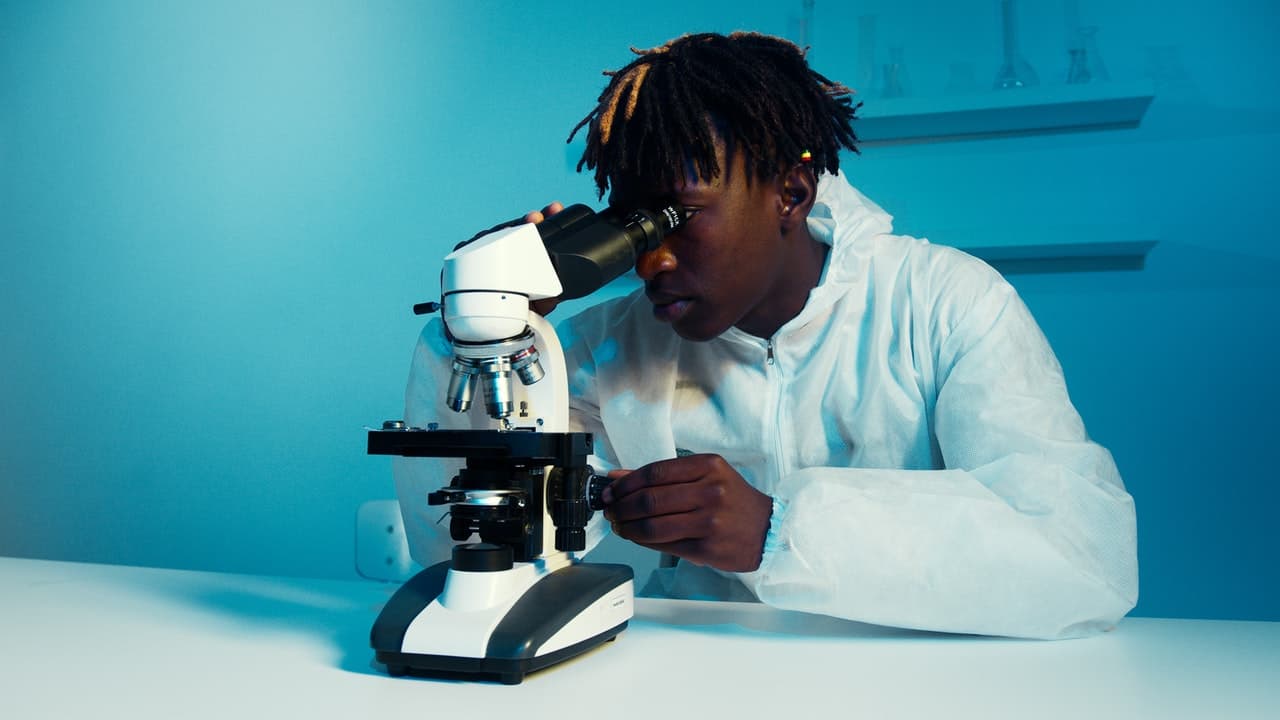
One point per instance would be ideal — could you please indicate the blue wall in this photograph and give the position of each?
(214, 217)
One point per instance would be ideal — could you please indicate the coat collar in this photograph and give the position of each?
(846, 220)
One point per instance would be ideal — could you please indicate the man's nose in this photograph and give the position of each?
(657, 260)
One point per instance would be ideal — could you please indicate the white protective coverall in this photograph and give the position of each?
(912, 424)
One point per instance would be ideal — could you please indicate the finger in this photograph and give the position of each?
(663, 529)
(606, 495)
(545, 306)
(656, 501)
(537, 216)
(687, 550)
(662, 472)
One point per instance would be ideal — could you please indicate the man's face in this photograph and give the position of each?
(729, 265)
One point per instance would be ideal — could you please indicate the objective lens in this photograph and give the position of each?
(531, 373)
(527, 366)
(495, 378)
(461, 385)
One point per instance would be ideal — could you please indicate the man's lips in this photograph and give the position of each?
(668, 307)
(658, 297)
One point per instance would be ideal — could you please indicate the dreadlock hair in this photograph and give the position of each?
(661, 115)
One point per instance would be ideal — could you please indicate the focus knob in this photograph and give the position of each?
(595, 487)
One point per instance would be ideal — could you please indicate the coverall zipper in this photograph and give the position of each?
(774, 422)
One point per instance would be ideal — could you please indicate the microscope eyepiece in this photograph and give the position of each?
(648, 227)
(590, 249)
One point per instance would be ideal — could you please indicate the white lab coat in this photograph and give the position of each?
(912, 425)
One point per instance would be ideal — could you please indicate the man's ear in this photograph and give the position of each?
(799, 190)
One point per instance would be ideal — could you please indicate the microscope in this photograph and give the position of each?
(520, 599)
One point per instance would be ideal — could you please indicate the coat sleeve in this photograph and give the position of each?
(1027, 532)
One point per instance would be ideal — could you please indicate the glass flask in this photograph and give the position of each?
(1085, 61)
(1015, 71)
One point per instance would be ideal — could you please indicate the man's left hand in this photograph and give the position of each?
(697, 507)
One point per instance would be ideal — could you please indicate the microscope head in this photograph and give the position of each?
(488, 283)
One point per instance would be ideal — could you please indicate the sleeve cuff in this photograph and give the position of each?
(774, 544)
(773, 541)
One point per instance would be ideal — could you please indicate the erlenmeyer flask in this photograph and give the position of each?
(1086, 63)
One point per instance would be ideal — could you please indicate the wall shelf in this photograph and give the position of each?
(1082, 249)
(1003, 113)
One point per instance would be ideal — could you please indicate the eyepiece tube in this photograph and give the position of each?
(589, 252)
(647, 227)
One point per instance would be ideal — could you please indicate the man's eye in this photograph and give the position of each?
(691, 212)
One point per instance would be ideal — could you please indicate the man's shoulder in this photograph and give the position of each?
(943, 266)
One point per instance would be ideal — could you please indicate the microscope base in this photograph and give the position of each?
(562, 614)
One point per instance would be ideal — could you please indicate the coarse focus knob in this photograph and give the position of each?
(571, 539)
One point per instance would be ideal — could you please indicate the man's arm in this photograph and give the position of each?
(1029, 531)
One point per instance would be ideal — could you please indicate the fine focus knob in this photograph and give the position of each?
(595, 487)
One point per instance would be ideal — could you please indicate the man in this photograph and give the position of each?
(811, 411)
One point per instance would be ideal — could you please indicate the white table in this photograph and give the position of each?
(90, 641)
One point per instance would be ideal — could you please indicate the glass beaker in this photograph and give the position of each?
(1015, 71)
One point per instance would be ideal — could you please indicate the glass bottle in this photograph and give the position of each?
(1015, 71)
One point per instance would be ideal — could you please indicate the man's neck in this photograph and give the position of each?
(803, 275)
